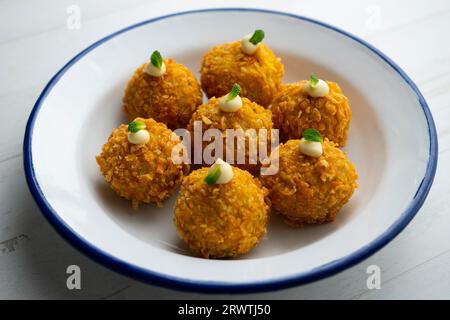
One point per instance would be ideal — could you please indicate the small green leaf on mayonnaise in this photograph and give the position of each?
(213, 176)
(135, 126)
(156, 59)
(235, 90)
(257, 37)
(313, 80)
(312, 135)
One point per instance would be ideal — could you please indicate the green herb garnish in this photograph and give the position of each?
(135, 126)
(235, 90)
(257, 37)
(213, 175)
(313, 80)
(156, 59)
(312, 135)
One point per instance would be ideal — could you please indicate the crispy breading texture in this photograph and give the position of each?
(259, 75)
(309, 190)
(249, 116)
(294, 111)
(171, 99)
(145, 172)
(221, 220)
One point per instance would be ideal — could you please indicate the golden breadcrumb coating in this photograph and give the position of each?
(170, 99)
(259, 75)
(294, 111)
(310, 190)
(144, 172)
(221, 220)
(249, 116)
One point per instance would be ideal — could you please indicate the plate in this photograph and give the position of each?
(392, 141)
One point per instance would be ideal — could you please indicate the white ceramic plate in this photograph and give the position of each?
(392, 142)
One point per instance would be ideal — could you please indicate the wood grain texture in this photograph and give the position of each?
(35, 43)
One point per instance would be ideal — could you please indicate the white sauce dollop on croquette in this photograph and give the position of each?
(311, 148)
(140, 137)
(247, 47)
(226, 171)
(232, 105)
(320, 90)
(154, 71)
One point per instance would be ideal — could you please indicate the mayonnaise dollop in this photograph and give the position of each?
(247, 47)
(154, 71)
(226, 171)
(227, 105)
(140, 137)
(321, 89)
(311, 148)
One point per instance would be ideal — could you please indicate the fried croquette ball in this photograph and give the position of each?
(142, 173)
(170, 99)
(294, 111)
(309, 190)
(259, 75)
(221, 220)
(249, 116)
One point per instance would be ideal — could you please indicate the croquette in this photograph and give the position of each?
(294, 111)
(259, 75)
(249, 116)
(221, 220)
(308, 190)
(171, 98)
(142, 173)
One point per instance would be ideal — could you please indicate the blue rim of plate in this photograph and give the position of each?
(224, 287)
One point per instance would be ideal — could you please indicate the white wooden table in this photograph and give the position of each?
(35, 42)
